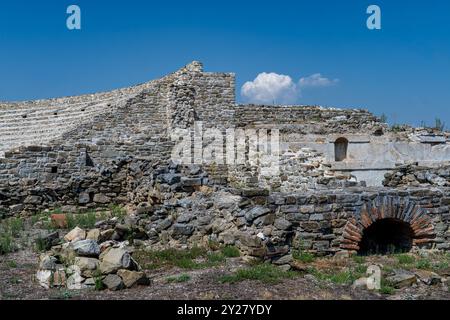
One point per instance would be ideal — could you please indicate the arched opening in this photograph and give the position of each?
(340, 149)
(386, 236)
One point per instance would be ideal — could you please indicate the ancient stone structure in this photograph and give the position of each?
(327, 196)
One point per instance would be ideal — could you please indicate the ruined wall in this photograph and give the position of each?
(139, 128)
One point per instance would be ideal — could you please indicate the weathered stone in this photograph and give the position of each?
(256, 212)
(165, 224)
(47, 262)
(183, 229)
(298, 265)
(113, 282)
(249, 240)
(33, 200)
(360, 283)
(84, 198)
(76, 234)
(282, 224)
(75, 282)
(131, 278)
(428, 277)
(86, 263)
(105, 235)
(402, 279)
(114, 259)
(48, 241)
(101, 198)
(59, 220)
(287, 259)
(45, 278)
(86, 248)
(93, 234)
(59, 278)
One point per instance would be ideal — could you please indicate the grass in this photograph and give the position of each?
(194, 258)
(10, 229)
(41, 244)
(14, 280)
(303, 256)
(266, 273)
(15, 226)
(11, 264)
(82, 220)
(230, 252)
(404, 259)
(86, 220)
(424, 264)
(386, 288)
(359, 259)
(6, 243)
(179, 279)
(343, 277)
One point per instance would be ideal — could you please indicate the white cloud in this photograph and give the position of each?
(268, 88)
(273, 88)
(316, 80)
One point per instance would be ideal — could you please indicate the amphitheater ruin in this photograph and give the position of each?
(347, 182)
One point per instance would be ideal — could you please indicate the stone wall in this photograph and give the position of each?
(415, 175)
(121, 154)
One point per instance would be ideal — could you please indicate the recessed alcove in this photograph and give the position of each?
(386, 236)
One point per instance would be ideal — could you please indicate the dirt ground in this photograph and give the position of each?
(17, 282)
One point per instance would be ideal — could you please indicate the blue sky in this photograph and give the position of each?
(402, 70)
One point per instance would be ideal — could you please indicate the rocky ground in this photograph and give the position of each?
(211, 271)
(17, 278)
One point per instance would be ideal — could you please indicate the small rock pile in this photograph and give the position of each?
(91, 260)
(415, 175)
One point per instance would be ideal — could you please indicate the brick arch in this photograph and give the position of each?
(386, 207)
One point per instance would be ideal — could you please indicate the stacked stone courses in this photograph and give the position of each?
(91, 151)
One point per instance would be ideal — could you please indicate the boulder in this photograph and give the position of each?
(101, 198)
(76, 234)
(131, 278)
(106, 235)
(183, 229)
(249, 240)
(114, 259)
(360, 283)
(75, 282)
(48, 241)
(47, 262)
(283, 260)
(86, 248)
(86, 263)
(84, 198)
(282, 224)
(59, 277)
(256, 212)
(93, 234)
(45, 278)
(402, 279)
(428, 277)
(113, 282)
(59, 221)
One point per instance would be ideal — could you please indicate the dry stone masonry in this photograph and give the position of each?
(345, 185)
